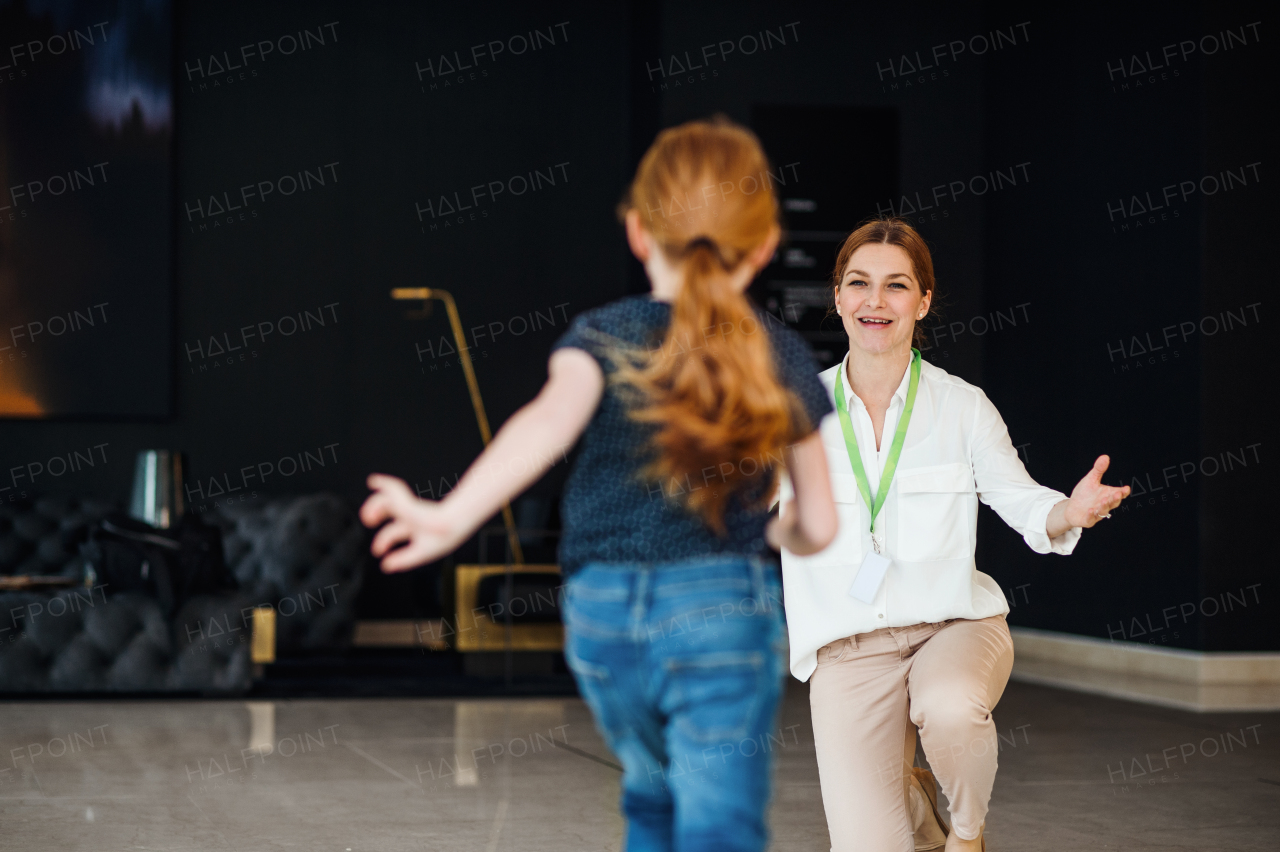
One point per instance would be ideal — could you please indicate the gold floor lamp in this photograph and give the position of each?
(477, 629)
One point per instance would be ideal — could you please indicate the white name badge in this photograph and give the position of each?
(870, 575)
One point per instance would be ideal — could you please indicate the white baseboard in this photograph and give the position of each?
(1188, 680)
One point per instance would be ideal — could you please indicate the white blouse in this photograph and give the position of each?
(957, 452)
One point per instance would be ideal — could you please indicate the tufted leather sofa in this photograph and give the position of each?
(303, 555)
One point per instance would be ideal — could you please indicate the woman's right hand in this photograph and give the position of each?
(425, 528)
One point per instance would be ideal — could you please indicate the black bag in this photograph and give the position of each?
(173, 565)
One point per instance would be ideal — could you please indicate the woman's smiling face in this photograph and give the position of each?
(879, 299)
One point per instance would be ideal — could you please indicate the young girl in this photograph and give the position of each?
(689, 399)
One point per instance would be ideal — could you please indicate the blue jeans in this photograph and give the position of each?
(681, 664)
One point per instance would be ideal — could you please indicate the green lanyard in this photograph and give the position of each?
(899, 437)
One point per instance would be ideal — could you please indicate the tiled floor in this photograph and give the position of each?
(1077, 772)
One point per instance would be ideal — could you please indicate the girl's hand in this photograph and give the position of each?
(784, 531)
(775, 532)
(1091, 501)
(425, 529)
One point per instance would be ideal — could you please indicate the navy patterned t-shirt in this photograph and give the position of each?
(609, 514)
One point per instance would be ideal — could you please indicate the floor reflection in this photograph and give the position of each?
(533, 774)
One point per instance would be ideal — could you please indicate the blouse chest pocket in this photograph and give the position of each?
(933, 512)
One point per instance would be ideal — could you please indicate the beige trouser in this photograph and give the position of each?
(946, 678)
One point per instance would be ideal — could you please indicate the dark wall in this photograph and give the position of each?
(1034, 144)
(829, 60)
(1126, 356)
(330, 381)
(1237, 422)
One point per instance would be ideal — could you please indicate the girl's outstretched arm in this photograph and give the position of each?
(528, 444)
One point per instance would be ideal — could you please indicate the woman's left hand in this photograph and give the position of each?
(1091, 501)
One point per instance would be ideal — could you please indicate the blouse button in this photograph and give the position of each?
(881, 615)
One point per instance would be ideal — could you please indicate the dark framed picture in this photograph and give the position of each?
(86, 126)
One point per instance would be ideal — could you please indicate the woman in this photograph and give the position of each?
(892, 622)
(673, 631)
